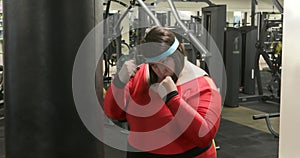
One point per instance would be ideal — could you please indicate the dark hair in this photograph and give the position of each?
(161, 39)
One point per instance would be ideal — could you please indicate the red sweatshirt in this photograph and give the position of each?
(189, 119)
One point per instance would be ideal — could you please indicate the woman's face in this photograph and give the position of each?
(163, 68)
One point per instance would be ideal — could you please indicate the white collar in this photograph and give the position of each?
(189, 72)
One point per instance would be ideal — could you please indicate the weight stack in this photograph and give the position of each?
(232, 60)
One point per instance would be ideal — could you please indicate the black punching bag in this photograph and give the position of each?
(41, 41)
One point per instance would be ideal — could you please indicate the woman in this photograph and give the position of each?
(172, 107)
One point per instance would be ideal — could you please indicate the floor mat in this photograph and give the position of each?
(239, 141)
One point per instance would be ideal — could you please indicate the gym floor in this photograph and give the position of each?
(239, 136)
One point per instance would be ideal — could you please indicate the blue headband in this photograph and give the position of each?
(170, 51)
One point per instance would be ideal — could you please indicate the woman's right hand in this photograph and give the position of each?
(128, 70)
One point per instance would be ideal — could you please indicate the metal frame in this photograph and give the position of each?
(268, 122)
(204, 52)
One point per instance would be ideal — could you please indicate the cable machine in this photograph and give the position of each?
(190, 30)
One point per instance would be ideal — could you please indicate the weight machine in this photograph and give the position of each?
(257, 42)
(268, 46)
(268, 122)
(191, 30)
(266, 39)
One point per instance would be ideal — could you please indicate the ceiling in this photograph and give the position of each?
(232, 5)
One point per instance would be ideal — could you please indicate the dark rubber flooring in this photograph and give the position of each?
(235, 140)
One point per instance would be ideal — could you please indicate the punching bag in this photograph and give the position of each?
(41, 41)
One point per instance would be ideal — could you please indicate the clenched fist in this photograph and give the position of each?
(128, 70)
(163, 88)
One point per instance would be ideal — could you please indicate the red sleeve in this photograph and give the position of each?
(206, 114)
(115, 101)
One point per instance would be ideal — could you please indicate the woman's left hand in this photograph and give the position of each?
(163, 88)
